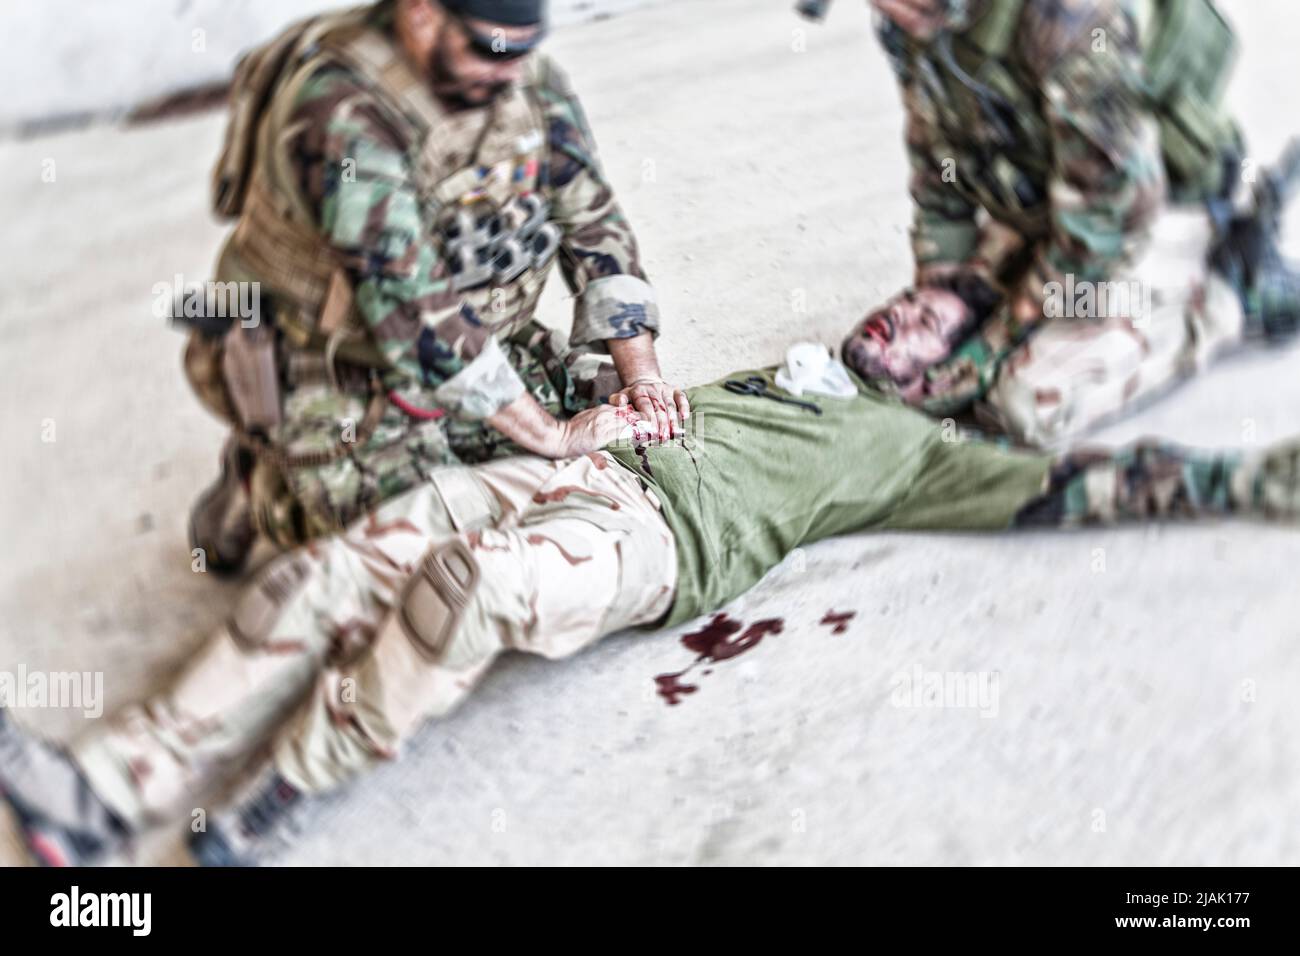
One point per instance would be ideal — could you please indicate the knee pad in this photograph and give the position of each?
(433, 602)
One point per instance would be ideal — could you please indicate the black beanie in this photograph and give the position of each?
(511, 13)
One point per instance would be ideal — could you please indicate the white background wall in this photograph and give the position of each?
(67, 57)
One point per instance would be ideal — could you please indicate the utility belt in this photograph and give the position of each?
(242, 373)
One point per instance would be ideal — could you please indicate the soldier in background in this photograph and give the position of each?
(1076, 184)
(404, 176)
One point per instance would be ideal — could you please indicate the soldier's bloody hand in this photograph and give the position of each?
(664, 407)
(591, 430)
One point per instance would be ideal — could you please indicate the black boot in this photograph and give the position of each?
(63, 821)
(1249, 254)
(263, 824)
(221, 522)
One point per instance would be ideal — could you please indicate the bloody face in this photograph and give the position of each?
(908, 335)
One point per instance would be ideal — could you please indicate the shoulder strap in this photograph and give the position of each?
(257, 78)
(374, 58)
(351, 41)
(537, 73)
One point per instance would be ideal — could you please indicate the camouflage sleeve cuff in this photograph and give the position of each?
(615, 307)
(945, 241)
(483, 387)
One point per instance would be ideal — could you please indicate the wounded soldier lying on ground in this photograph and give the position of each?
(339, 652)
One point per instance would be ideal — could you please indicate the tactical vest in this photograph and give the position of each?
(480, 176)
(986, 98)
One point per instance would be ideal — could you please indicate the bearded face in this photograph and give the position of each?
(900, 341)
(466, 61)
(460, 77)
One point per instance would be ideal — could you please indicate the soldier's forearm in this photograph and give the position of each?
(635, 358)
(525, 422)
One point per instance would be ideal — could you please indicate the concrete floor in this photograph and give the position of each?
(1144, 713)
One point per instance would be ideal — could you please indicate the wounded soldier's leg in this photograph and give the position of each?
(142, 765)
(319, 605)
(589, 557)
(316, 605)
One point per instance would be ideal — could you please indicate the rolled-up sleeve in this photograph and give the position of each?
(483, 387)
(614, 307)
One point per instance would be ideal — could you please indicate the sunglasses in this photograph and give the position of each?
(494, 47)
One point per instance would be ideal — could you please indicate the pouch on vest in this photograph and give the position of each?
(203, 364)
(251, 374)
(1190, 54)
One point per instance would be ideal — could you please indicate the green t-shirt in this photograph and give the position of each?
(755, 478)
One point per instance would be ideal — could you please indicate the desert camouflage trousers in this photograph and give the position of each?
(1085, 366)
(315, 661)
(293, 506)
